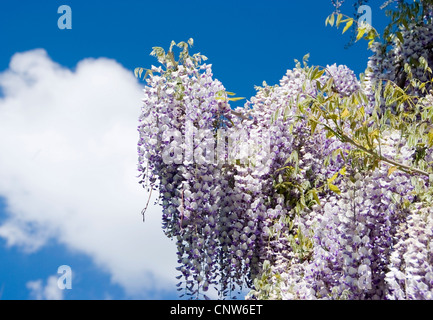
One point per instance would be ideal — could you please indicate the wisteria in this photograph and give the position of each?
(410, 273)
(311, 190)
(344, 79)
(407, 54)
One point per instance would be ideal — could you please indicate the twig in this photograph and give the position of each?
(239, 115)
(147, 204)
(384, 159)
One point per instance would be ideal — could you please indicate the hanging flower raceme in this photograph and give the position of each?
(345, 81)
(285, 196)
(410, 273)
(176, 152)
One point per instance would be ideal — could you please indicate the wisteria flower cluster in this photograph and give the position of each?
(288, 196)
(345, 80)
(407, 55)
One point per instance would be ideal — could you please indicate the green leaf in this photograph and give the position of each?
(339, 17)
(348, 25)
(147, 73)
(423, 62)
(136, 71)
(284, 168)
(329, 134)
(313, 126)
(170, 56)
(360, 34)
(236, 99)
(391, 170)
(317, 74)
(399, 36)
(335, 176)
(334, 188)
(315, 196)
(430, 138)
(332, 20)
(345, 113)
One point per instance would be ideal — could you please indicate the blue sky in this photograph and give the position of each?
(47, 220)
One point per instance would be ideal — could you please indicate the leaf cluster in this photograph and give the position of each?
(363, 29)
(168, 60)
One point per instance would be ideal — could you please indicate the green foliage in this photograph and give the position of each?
(397, 110)
(170, 65)
(345, 118)
(364, 30)
(412, 12)
(267, 285)
(167, 59)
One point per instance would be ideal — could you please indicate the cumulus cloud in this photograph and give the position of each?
(68, 168)
(50, 291)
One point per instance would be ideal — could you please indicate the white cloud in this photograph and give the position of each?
(50, 291)
(68, 168)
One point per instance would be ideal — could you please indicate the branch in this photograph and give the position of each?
(239, 115)
(406, 168)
